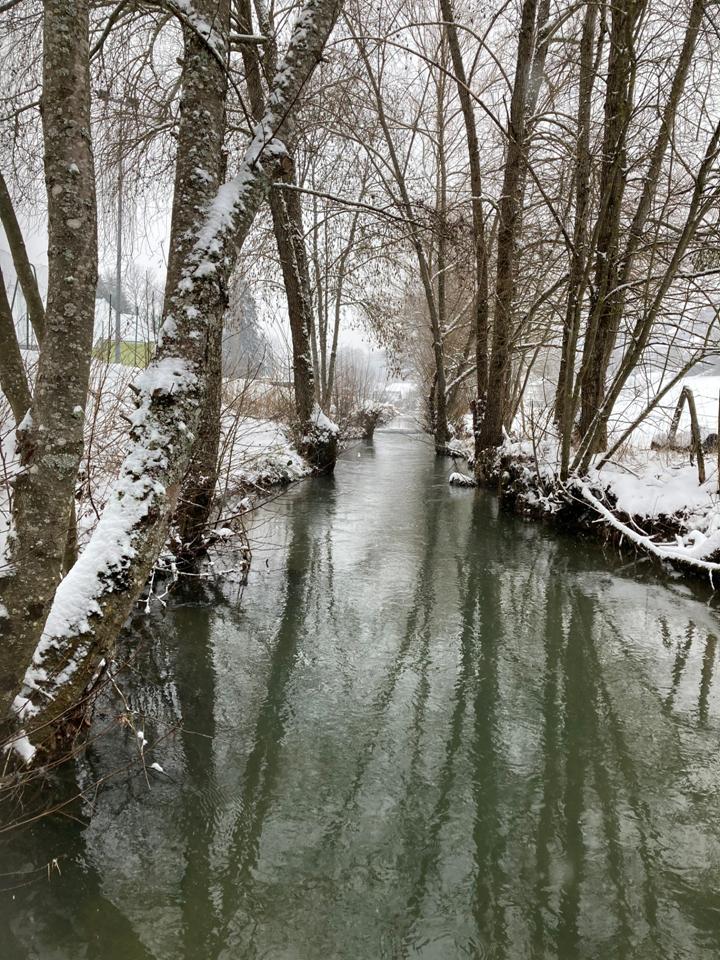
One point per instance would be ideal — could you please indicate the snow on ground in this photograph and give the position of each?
(636, 396)
(658, 484)
(255, 453)
(645, 484)
(644, 493)
(663, 483)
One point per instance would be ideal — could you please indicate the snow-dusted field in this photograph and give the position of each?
(640, 482)
(636, 397)
(652, 483)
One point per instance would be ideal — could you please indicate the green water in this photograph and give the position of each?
(423, 730)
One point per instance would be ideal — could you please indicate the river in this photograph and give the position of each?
(423, 730)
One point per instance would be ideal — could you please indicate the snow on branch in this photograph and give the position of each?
(186, 13)
(308, 38)
(663, 551)
(96, 596)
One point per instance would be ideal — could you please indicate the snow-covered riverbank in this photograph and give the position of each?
(256, 453)
(647, 496)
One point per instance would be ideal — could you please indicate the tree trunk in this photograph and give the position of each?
(13, 381)
(197, 496)
(93, 601)
(21, 262)
(442, 430)
(701, 203)
(330, 384)
(605, 306)
(481, 267)
(613, 275)
(50, 440)
(564, 405)
(316, 437)
(199, 171)
(510, 215)
(289, 236)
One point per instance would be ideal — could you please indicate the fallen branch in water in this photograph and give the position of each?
(660, 550)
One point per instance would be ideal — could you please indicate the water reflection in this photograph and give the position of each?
(424, 730)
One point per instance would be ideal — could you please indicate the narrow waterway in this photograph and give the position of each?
(423, 730)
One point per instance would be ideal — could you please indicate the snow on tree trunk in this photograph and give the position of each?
(50, 437)
(94, 600)
(199, 171)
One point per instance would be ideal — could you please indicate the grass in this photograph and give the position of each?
(132, 354)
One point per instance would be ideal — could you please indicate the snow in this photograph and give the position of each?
(20, 745)
(187, 12)
(643, 480)
(457, 479)
(694, 555)
(654, 486)
(112, 546)
(130, 324)
(637, 394)
(323, 423)
(25, 423)
(164, 376)
(645, 486)
(257, 453)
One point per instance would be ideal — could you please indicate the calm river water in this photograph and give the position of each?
(424, 730)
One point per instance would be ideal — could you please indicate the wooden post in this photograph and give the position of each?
(686, 396)
(677, 413)
(695, 431)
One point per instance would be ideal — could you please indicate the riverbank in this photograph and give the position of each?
(650, 502)
(257, 453)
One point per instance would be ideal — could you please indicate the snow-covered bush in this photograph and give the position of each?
(372, 414)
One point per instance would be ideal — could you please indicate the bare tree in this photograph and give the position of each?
(50, 438)
(317, 444)
(531, 51)
(94, 599)
(199, 171)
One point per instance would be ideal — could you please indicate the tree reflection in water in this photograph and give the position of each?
(424, 730)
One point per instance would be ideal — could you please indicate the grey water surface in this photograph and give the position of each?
(423, 730)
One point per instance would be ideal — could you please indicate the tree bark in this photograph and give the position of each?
(97, 595)
(289, 236)
(524, 94)
(605, 305)
(564, 405)
(50, 440)
(199, 171)
(480, 245)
